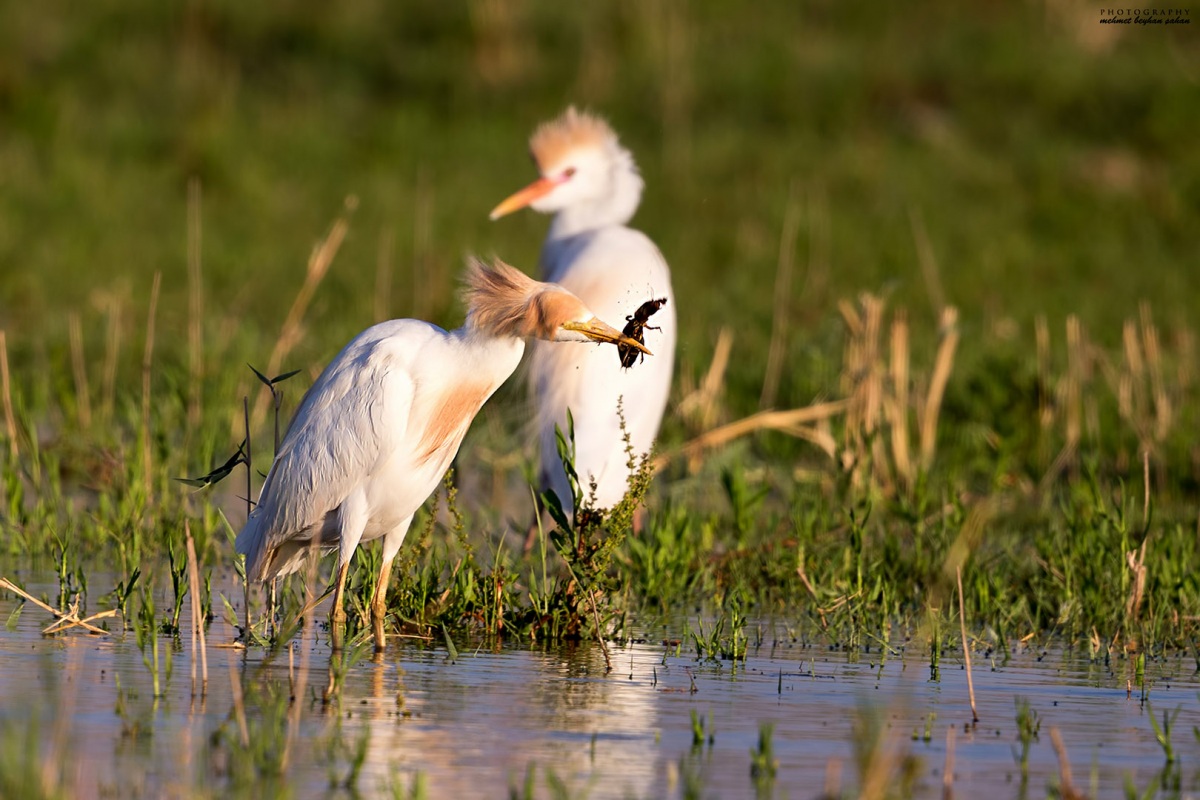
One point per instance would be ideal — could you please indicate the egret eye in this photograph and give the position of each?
(568, 172)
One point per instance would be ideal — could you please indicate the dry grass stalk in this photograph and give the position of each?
(1163, 413)
(112, 351)
(863, 384)
(53, 781)
(198, 637)
(319, 262)
(147, 361)
(300, 683)
(819, 434)
(195, 303)
(948, 766)
(970, 535)
(966, 645)
(83, 402)
(10, 419)
(1130, 400)
(1145, 402)
(787, 421)
(249, 464)
(833, 778)
(1136, 559)
(64, 616)
(942, 366)
(1060, 463)
(1185, 344)
(880, 395)
(1069, 391)
(811, 589)
(608, 667)
(869, 364)
(239, 705)
(62, 625)
(1145, 490)
(1076, 358)
(783, 296)
(927, 260)
(881, 768)
(1067, 788)
(700, 405)
(1042, 334)
(898, 405)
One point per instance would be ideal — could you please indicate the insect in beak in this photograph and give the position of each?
(635, 330)
(599, 331)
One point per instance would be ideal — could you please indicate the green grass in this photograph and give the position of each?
(1051, 174)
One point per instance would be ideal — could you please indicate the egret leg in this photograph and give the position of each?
(379, 604)
(352, 520)
(337, 615)
(391, 546)
(272, 599)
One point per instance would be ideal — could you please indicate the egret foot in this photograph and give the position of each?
(337, 629)
(337, 614)
(379, 605)
(377, 617)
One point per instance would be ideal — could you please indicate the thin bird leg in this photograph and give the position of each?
(272, 599)
(379, 604)
(337, 615)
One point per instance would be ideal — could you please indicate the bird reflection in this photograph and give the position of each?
(500, 714)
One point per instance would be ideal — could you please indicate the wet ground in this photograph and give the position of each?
(477, 723)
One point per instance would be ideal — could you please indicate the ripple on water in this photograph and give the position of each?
(473, 726)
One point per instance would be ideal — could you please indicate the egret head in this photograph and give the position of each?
(503, 301)
(582, 165)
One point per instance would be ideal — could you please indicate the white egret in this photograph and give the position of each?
(591, 185)
(376, 432)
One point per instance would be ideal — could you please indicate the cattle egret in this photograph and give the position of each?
(591, 185)
(375, 434)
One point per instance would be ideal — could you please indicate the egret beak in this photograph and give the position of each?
(539, 188)
(599, 331)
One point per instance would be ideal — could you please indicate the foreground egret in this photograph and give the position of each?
(592, 186)
(376, 432)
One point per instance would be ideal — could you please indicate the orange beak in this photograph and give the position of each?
(539, 188)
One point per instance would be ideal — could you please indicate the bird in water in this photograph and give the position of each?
(591, 185)
(376, 432)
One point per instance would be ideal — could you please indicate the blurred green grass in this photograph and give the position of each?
(1054, 168)
(1045, 162)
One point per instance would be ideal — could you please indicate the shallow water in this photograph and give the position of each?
(472, 726)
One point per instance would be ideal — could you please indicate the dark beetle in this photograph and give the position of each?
(635, 329)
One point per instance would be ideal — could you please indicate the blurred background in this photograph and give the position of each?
(1019, 161)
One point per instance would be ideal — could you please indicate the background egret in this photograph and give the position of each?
(592, 186)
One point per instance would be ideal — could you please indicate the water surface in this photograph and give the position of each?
(475, 724)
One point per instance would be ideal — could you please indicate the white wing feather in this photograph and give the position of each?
(351, 419)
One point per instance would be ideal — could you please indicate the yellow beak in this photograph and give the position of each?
(599, 331)
(539, 188)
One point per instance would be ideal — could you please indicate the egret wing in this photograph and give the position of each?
(350, 421)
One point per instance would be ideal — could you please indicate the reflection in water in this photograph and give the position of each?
(472, 727)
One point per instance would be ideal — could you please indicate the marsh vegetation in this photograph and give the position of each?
(936, 399)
